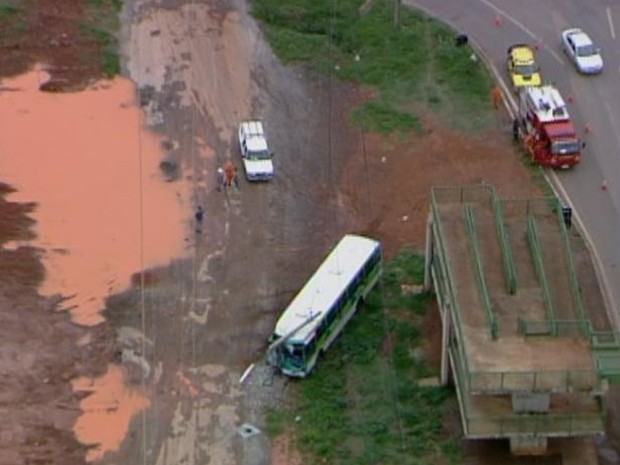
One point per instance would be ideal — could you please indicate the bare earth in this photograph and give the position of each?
(199, 68)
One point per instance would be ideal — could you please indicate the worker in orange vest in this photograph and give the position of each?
(230, 170)
(496, 96)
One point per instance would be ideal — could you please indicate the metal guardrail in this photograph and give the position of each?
(534, 243)
(510, 271)
(482, 287)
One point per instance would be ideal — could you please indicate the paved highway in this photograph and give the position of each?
(493, 25)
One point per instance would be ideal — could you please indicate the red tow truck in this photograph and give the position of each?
(544, 128)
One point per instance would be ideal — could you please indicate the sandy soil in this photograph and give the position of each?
(205, 317)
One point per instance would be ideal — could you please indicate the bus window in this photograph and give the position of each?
(332, 313)
(311, 346)
(322, 327)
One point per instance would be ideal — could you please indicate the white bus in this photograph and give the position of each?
(325, 304)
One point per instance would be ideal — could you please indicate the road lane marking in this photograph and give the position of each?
(523, 27)
(612, 31)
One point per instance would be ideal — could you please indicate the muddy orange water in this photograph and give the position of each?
(107, 411)
(104, 210)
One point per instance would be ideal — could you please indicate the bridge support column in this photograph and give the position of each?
(528, 445)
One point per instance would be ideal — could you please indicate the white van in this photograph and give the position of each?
(255, 153)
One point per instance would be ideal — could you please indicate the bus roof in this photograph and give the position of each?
(325, 286)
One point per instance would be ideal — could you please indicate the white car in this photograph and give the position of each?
(256, 156)
(582, 51)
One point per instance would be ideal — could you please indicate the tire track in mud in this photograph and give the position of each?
(206, 52)
(199, 57)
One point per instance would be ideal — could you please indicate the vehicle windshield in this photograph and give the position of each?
(586, 50)
(295, 353)
(260, 154)
(526, 70)
(565, 147)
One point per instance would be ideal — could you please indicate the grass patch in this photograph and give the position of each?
(293, 46)
(102, 25)
(362, 404)
(376, 115)
(276, 422)
(9, 9)
(537, 173)
(12, 20)
(416, 66)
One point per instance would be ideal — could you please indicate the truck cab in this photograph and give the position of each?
(546, 129)
(255, 153)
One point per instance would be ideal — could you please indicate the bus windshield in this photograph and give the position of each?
(295, 351)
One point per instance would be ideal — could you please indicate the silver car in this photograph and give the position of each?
(582, 51)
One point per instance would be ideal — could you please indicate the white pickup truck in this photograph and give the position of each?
(255, 153)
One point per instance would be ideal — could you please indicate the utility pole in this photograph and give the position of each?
(397, 14)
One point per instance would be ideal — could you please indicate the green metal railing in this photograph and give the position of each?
(606, 350)
(482, 287)
(503, 382)
(574, 282)
(603, 339)
(534, 243)
(569, 328)
(510, 271)
(534, 327)
(550, 424)
(605, 345)
(446, 271)
(608, 365)
(598, 340)
(480, 193)
(511, 424)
